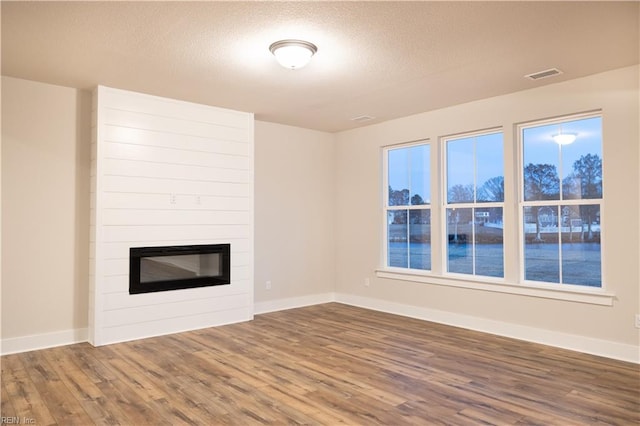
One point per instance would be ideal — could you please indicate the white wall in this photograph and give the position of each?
(294, 216)
(45, 213)
(358, 234)
(166, 172)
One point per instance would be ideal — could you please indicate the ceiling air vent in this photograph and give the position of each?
(544, 74)
(362, 118)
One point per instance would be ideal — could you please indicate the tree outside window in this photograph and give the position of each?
(561, 201)
(474, 204)
(408, 208)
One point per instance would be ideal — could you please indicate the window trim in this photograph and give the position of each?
(445, 205)
(521, 203)
(385, 200)
(567, 292)
(512, 284)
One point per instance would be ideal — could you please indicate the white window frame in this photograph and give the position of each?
(387, 208)
(468, 205)
(520, 128)
(513, 282)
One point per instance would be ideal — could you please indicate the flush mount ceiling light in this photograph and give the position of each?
(293, 54)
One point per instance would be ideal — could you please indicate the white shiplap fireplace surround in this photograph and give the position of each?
(166, 172)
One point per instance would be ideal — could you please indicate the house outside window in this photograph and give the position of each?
(408, 206)
(554, 215)
(474, 204)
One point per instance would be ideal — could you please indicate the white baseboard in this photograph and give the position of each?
(604, 348)
(292, 302)
(14, 345)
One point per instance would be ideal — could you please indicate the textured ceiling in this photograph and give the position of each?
(380, 59)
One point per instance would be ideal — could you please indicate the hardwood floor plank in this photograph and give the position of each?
(68, 372)
(204, 406)
(6, 405)
(141, 383)
(135, 411)
(422, 412)
(89, 395)
(86, 357)
(321, 365)
(62, 405)
(22, 393)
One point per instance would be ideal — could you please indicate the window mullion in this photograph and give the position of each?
(409, 210)
(559, 225)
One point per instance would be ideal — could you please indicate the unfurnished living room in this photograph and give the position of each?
(322, 213)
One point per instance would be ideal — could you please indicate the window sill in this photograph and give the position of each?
(561, 292)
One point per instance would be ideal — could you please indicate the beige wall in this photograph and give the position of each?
(45, 217)
(358, 208)
(45, 208)
(1, 109)
(294, 212)
(317, 208)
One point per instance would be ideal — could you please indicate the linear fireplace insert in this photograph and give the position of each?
(165, 268)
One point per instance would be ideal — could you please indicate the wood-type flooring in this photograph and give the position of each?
(326, 364)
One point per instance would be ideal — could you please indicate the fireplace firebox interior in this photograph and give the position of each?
(166, 268)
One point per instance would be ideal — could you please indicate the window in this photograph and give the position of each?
(474, 203)
(540, 238)
(561, 200)
(407, 206)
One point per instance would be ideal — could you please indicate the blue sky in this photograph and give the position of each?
(539, 147)
(407, 164)
(488, 151)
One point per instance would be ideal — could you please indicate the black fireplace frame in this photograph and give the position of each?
(137, 253)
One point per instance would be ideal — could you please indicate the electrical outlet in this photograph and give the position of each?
(638, 320)
(267, 285)
(367, 282)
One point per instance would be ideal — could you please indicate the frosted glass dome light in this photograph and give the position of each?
(293, 54)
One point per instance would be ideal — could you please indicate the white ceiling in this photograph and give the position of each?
(381, 59)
